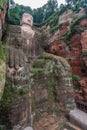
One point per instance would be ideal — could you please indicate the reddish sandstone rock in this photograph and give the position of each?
(75, 52)
(75, 45)
(83, 82)
(76, 62)
(59, 48)
(83, 23)
(76, 40)
(63, 31)
(79, 96)
(18, 113)
(84, 46)
(78, 67)
(84, 41)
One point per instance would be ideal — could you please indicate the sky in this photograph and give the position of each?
(35, 3)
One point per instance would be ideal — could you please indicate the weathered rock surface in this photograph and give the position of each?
(74, 36)
(56, 91)
(59, 48)
(14, 39)
(2, 17)
(69, 15)
(83, 23)
(52, 123)
(49, 89)
(84, 41)
(17, 68)
(15, 100)
(2, 77)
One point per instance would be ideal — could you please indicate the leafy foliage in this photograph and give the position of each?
(8, 96)
(77, 87)
(55, 28)
(40, 14)
(53, 19)
(49, 14)
(2, 53)
(15, 14)
(1, 3)
(75, 77)
(22, 91)
(77, 3)
(84, 53)
(71, 2)
(77, 21)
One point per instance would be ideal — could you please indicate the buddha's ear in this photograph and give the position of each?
(2, 77)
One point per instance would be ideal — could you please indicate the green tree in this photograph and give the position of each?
(50, 8)
(15, 14)
(43, 13)
(38, 15)
(72, 2)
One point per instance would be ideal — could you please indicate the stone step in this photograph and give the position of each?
(52, 123)
(28, 128)
(79, 118)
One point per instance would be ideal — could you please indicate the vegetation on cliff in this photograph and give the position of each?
(40, 14)
(2, 53)
(48, 13)
(2, 3)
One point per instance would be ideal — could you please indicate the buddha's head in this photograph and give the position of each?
(27, 19)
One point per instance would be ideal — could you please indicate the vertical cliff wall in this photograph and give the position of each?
(70, 42)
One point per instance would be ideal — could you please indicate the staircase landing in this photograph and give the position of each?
(28, 128)
(79, 118)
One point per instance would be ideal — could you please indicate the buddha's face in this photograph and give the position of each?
(27, 19)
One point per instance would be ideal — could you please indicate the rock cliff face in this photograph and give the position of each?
(49, 79)
(59, 48)
(73, 45)
(39, 83)
(2, 77)
(68, 16)
(34, 85)
(14, 88)
(3, 12)
(55, 72)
